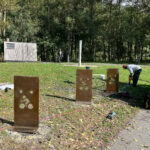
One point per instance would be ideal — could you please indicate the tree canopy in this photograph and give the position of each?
(110, 30)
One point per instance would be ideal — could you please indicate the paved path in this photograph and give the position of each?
(136, 136)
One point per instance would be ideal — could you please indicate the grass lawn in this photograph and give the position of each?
(70, 125)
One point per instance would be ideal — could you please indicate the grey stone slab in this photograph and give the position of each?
(19, 51)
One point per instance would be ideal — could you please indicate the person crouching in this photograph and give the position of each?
(135, 71)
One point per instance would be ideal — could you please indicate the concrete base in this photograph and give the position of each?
(83, 102)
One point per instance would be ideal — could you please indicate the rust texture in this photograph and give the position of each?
(26, 103)
(112, 80)
(84, 85)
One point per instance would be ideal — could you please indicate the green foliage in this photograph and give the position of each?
(110, 32)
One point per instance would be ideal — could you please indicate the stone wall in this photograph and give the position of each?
(17, 51)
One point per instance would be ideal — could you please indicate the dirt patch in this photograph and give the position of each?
(42, 134)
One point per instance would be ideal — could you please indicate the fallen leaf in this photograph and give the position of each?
(135, 121)
(30, 137)
(81, 120)
(71, 139)
(93, 133)
(135, 140)
(145, 146)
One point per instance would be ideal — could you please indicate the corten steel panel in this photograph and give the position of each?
(26, 103)
(112, 80)
(84, 86)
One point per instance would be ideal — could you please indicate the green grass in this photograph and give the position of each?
(72, 126)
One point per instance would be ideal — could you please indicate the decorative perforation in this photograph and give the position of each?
(25, 102)
(84, 85)
(112, 79)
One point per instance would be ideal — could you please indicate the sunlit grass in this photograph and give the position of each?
(77, 123)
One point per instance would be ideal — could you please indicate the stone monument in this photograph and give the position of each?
(18, 51)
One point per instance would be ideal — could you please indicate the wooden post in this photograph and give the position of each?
(80, 52)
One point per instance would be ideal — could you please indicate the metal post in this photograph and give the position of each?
(80, 52)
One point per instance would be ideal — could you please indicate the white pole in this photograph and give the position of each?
(80, 52)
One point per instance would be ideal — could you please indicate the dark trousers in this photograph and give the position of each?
(136, 77)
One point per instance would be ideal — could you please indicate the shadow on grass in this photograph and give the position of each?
(7, 121)
(69, 82)
(134, 96)
(63, 98)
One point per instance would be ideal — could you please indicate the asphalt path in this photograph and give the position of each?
(136, 136)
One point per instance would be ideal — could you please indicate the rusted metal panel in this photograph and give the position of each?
(26, 103)
(84, 86)
(112, 80)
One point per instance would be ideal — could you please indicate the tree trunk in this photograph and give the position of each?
(4, 19)
(109, 53)
(48, 16)
(69, 47)
(142, 53)
(53, 54)
(94, 51)
(75, 47)
(130, 51)
(109, 30)
(104, 50)
(135, 52)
